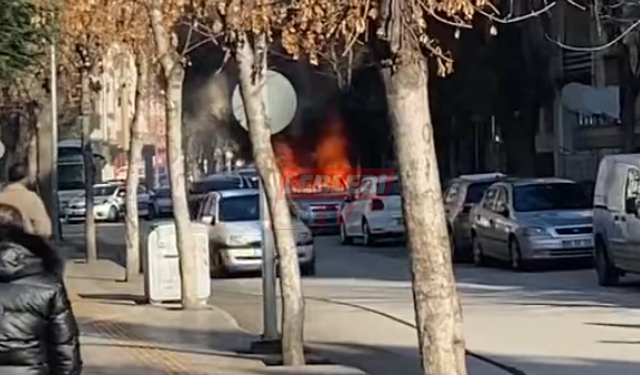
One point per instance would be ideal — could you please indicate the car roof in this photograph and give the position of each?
(236, 193)
(221, 176)
(541, 181)
(481, 176)
(633, 159)
(108, 184)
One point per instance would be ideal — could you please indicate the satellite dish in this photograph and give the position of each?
(280, 102)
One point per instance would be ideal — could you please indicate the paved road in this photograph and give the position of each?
(359, 308)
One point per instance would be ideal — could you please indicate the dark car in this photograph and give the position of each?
(216, 182)
(461, 194)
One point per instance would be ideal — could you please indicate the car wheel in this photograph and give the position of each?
(515, 256)
(113, 214)
(607, 273)
(308, 269)
(367, 237)
(478, 253)
(344, 237)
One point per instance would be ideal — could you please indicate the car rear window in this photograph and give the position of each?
(217, 184)
(385, 190)
(475, 191)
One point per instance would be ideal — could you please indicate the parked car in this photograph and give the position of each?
(215, 182)
(250, 174)
(109, 203)
(527, 220)
(374, 213)
(235, 233)
(161, 200)
(461, 195)
(616, 218)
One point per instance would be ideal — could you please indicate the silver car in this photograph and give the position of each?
(525, 220)
(235, 237)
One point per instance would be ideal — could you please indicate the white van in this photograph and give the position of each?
(616, 218)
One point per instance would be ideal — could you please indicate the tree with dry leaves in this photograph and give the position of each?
(134, 33)
(247, 31)
(164, 17)
(87, 28)
(398, 32)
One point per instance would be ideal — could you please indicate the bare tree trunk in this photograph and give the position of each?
(135, 159)
(89, 219)
(173, 75)
(253, 69)
(437, 308)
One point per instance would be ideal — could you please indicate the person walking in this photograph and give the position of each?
(30, 205)
(38, 331)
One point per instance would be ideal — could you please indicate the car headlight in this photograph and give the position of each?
(534, 231)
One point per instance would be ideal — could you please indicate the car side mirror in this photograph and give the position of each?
(631, 206)
(502, 210)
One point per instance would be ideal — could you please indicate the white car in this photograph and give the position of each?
(108, 203)
(374, 212)
(235, 236)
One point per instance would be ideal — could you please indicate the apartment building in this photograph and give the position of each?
(115, 108)
(586, 113)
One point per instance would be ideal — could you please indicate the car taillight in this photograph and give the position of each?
(377, 205)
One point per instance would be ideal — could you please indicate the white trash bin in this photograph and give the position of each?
(162, 267)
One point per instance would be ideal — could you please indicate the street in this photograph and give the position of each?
(359, 311)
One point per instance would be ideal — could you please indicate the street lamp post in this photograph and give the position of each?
(57, 233)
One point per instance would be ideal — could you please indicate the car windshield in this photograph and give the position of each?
(163, 193)
(550, 196)
(100, 191)
(216, 184)
(475, 192)
(243, 208)
(386, 189)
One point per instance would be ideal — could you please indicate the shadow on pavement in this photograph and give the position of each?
(374, 360)
(136, 299)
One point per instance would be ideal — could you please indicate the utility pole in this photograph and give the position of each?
(269, 297)
(47, 139)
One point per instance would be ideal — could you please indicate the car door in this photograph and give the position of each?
(360, 205)
(500, 224)
(482, 218)
(629, 254)
(143, 200)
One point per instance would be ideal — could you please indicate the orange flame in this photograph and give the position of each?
(331, 156)
(332, 151)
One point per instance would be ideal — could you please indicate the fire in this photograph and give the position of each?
(332, 151)
(331, 156)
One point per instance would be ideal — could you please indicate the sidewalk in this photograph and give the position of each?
(120, 337)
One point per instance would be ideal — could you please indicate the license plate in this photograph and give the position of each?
(572, 244)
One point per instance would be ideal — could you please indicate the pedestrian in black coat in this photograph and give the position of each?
(38, 331)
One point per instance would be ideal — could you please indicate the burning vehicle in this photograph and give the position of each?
(321, 181)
